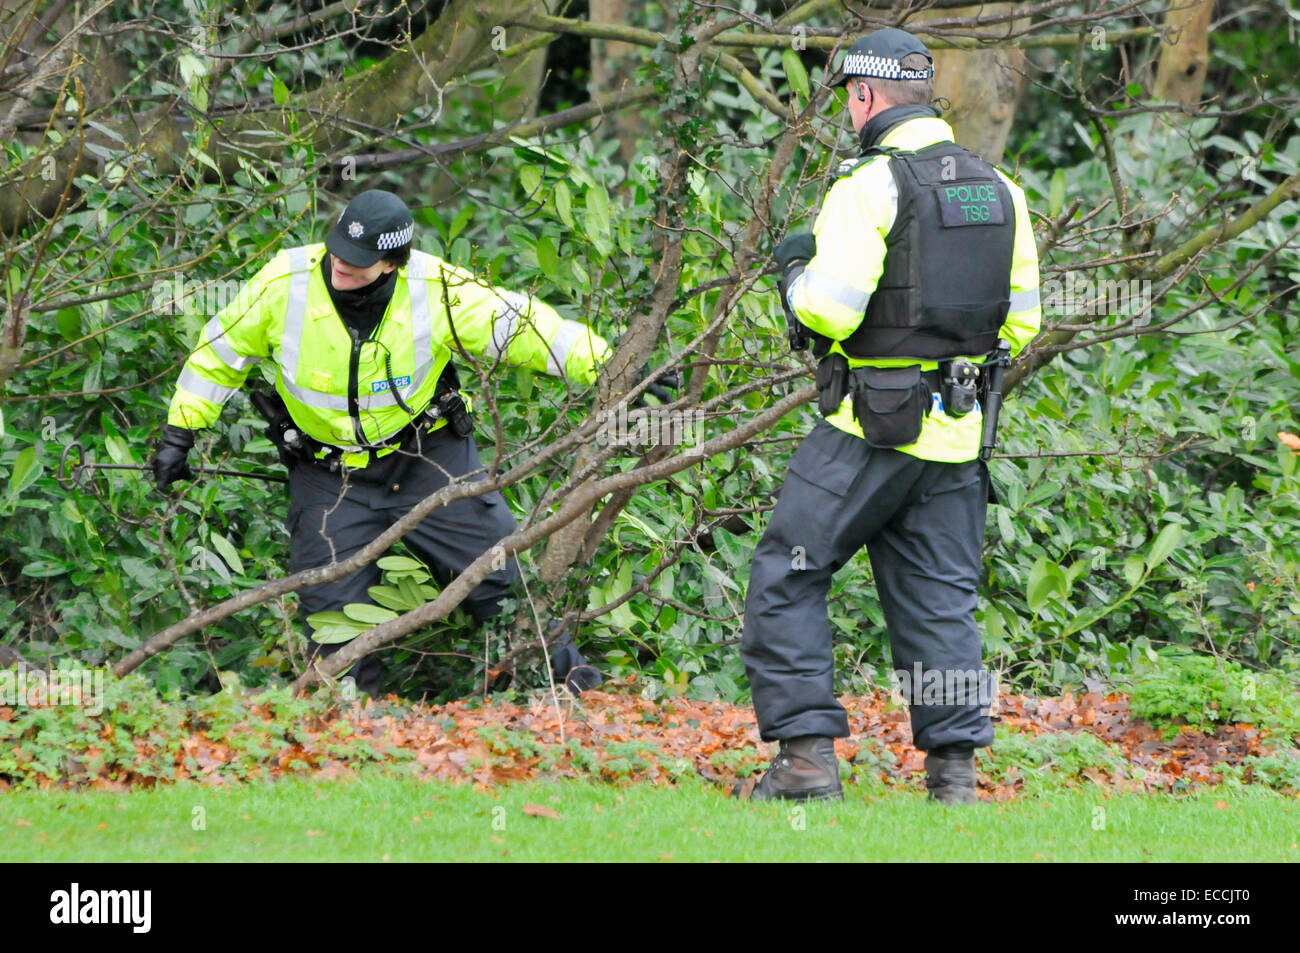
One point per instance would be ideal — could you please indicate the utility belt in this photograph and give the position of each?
(295, 446)
(891, 403)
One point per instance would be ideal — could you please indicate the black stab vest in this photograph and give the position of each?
(946, 285)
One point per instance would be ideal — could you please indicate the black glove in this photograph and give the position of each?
(792, 256)
(796, 331)
(169, 464)
(799, 246)
(661, 388)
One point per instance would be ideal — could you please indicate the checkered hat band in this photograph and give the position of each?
(396, 239)
(861, 64)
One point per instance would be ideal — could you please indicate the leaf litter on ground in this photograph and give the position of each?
(620, 735)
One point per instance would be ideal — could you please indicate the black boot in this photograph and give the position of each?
(804, 769)
(367, 674)
(950, 774)
(567, 663)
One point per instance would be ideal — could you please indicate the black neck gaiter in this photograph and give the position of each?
(878, 126)
(362, 308)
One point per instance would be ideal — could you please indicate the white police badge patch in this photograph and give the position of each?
(356, 230)
(847, 167)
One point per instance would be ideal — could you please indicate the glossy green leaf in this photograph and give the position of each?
(1166, 542)
(26, 469)
(227, 551)
(371, 615)
(795, 73)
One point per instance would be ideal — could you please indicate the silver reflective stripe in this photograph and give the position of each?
(417, 275)
(349, 447)
(295, 320)
(199, 387)
(789, 292)
(378, 442)
(1023, 301)
(513, 306)
(832, 289)
(317, 398)
(421, 337)
(216, 335)
(570, 333)
(295, 324)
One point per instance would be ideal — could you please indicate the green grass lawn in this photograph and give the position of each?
(384, 816)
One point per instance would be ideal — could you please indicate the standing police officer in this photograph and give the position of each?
(922, 258)
(371, 421)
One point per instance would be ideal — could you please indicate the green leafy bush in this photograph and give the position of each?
(1048, 761)
(136, 735)
(1203, 692)
(1277, 771)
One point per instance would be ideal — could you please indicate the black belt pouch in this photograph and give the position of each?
(832, 383)
(889, 403)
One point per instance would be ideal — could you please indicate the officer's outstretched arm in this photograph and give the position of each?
(1025, 315)
(228, 346)
(515, 327)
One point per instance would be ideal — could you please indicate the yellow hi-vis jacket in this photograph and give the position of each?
(831, 295)
(336, 389)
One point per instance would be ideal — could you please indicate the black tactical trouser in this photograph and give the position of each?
(328, 522)
(923, 525)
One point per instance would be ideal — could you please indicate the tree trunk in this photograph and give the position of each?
(521, 93)
(984, 86)
(613, 69)
(1180, 77)
(525, 77)
(622, 372)
(379, 95)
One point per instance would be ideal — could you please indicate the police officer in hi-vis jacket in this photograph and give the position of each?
(361, 330)
(921, 260)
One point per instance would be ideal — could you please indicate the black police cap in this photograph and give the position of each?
(373, 223)
(880, 55)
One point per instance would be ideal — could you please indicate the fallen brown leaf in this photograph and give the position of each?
(538, 810)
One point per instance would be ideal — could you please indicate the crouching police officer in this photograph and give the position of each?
(366, 409)
(921, 263)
